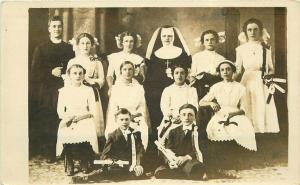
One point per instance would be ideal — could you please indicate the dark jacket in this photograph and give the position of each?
(182, 144)
(117, 148)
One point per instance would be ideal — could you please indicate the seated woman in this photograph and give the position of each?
(76, 133)
(128, 42)
(94, 75)
(127, 94)
(173, 97)
(229, 122)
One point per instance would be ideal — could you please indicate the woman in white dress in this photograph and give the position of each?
(252, 68)
(128, 42)
(173, 97)
(130, 95)
(94, 75)
(76, 134)
(229, 122)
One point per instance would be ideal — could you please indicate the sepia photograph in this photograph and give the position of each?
(157, 94)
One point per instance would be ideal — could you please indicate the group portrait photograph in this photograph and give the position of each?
(133, 94)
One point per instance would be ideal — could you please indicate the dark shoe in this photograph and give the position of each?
(84, 166)
(205, 177)
(70, 167)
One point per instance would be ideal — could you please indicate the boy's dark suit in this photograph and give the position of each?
(117, 148)
(181, 144)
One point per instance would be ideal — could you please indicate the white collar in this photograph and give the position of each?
(208, 51)
(55, 40)
(180, 86)
(168, 52)
(125, 132)
(187, 127)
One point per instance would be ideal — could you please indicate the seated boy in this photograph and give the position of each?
(124, 144)
(183, 144)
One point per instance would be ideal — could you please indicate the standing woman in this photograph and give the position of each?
(205, 62)
(128, 42)
(254, 62)
(131, 96)
(165, 49)
(94, 75)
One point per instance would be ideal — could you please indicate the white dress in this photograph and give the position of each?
(116, 59)
(249, 57)
(76, 101)
(205, 61)
(94, 73)
(229, 96)
(172, 98)
(132, 97)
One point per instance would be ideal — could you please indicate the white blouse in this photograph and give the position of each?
(205, 61)
(129, 96)
(250, 57)
(116, 59)
(94, 69)
(174, 96)
(229, 95)
(74, 101)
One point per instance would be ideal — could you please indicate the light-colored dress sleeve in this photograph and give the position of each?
(91, 103)
(165, 102)
(269, 62)
(239, 63)
(100, 74)
(142, 103)
(194, 97)
(61, 104)
(242, 101)
(210, 95)
(110, 70)
(194, 66)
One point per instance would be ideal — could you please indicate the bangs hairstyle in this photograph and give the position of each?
(124, 63)
(188, 106)
(251, 21)
(75, 66)
(82, 35)
(209, 32)
(122, 111)
(226, 62)
(127, 33)
(179, 66)
(55, 18)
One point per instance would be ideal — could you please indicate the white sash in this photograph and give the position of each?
(196, 145)
(133, 153)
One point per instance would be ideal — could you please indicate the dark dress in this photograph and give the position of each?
(44, 87)
(182, 144)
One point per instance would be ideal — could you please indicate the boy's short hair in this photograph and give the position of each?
(122, 111)
(188, 106)
(55, 18)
